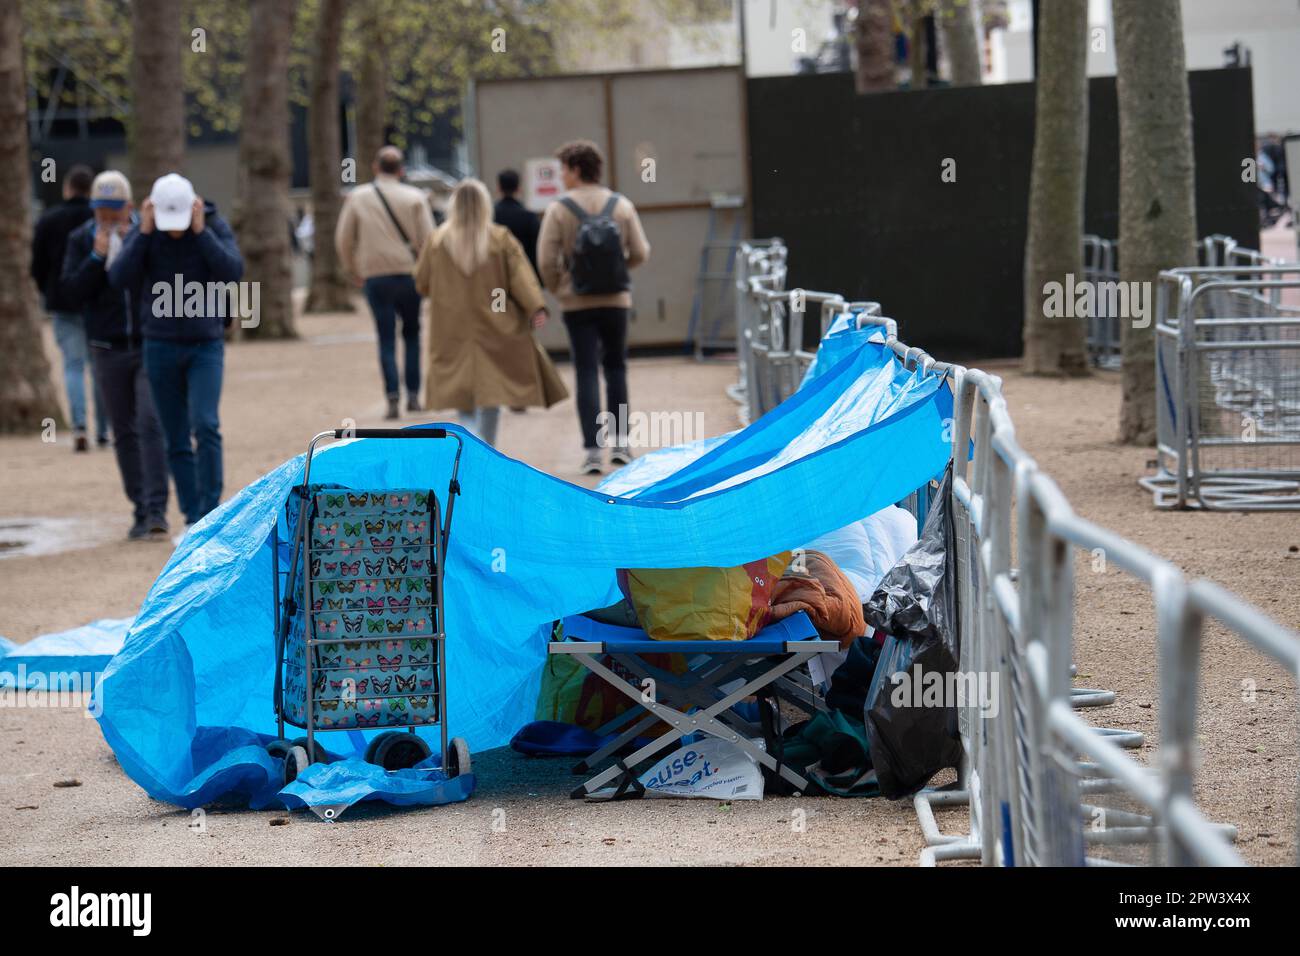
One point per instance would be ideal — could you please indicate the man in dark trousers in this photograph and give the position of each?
(382, 227)
(49, 241)
(181, 242)
(116, 350)
(595, 293)
(515, 216)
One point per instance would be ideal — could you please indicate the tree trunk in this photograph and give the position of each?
(873, 38)
(329, 289)
(265, 168)
(372, 90)
(27, 393)
(157, 123)
(917, 48)
(1056, 343)
(1157, 181)
(962, 41)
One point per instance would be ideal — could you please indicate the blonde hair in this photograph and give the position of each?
(469, 217)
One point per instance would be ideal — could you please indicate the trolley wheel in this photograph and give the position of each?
(295, 762)
(321, 755)
(458, 762)
(279, 748)
(397, 750)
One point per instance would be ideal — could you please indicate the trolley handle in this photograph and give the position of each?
(340, 433)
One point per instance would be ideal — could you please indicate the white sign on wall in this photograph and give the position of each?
(542, 182)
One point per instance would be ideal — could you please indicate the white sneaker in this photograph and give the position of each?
(591, 462)
(620, 455)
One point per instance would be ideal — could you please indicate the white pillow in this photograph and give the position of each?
(867, 549)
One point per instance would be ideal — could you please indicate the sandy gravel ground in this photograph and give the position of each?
(275, 399)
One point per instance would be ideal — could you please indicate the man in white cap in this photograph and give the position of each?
(181, 243)
(113, 334)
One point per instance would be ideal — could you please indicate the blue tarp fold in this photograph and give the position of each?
(64, 660)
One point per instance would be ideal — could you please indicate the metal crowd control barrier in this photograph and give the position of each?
(1228, 388)
(1042, 785)
(1101, 267)
(1104, 337)
(765, 259)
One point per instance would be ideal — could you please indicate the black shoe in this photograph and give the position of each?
(79, 444)
(394, 410)
(139, 530)
(102, 442)
(158, 526)
(413, 404)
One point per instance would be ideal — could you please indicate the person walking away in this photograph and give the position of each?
(49, 241)
(589, 240)
(484, 302)
(179, 242)
(522, 222)
(113, 334)
(381, 228)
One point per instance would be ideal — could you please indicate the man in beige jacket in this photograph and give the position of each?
(381, 230)
(593, 288)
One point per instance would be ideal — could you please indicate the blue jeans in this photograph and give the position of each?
(390, 297)
(70, 334)
(185, 378)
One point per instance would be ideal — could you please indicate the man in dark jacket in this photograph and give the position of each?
(515, 216)
(49, 240)
(183, 260)
(113, 334)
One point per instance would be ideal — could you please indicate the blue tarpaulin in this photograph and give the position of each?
(64, 660)
(187, 701)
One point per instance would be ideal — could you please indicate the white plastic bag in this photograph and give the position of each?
(712, 768)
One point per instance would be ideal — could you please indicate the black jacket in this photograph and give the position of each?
(110, 322)
(149, 264)
(522, 222)
(49, 241)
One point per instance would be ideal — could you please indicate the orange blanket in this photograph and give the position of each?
(815, 584)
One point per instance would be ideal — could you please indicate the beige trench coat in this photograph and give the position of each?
(480, 355)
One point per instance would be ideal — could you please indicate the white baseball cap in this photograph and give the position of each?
(173, 202)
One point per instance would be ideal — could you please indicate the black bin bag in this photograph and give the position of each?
(912, 735)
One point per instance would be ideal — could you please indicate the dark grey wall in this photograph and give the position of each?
(852, 183)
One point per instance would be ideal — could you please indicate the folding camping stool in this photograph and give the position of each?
(360, 640)
(697, 701)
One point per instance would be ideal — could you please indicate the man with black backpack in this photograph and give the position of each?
(589, 240)
(381, 229)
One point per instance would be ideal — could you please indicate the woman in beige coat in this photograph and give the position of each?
(484, 302)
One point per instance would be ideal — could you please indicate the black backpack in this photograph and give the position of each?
(597, 265)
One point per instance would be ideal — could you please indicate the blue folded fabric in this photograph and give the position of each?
(344, 783)
(552, 738)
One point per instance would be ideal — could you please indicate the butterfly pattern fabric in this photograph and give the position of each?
(372, 599)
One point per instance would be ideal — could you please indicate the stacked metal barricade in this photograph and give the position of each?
(1228, 387)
